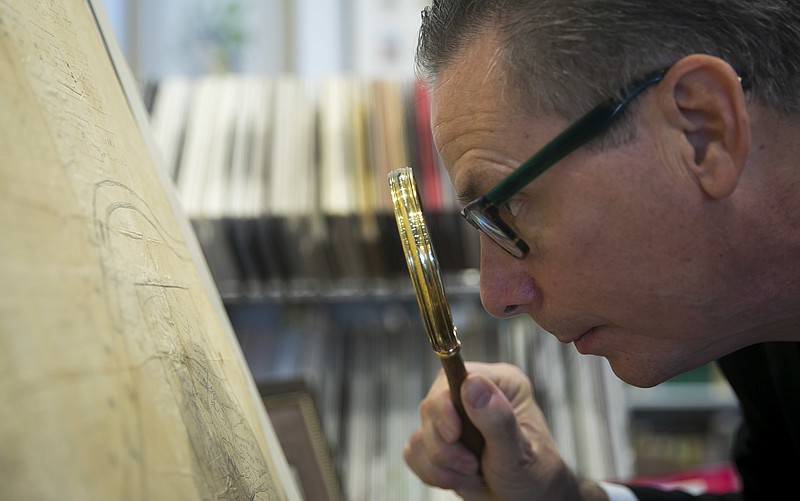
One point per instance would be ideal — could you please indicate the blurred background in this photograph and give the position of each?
(278, 121)
(310, 38)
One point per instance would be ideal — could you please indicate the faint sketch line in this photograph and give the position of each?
(102, 223)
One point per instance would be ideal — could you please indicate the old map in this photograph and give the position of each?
(120, 377)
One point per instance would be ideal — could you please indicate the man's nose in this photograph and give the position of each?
(506, 285)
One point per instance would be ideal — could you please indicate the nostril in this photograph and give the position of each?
(511, 308)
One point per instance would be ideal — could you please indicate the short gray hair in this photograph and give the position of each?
(564, 56)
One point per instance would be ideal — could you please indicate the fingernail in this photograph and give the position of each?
(477, 393)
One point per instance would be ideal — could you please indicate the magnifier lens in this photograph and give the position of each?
(424, 270)
(423, 266)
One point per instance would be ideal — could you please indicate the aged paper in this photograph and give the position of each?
(120, 377)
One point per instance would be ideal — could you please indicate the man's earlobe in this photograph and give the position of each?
(702, 96)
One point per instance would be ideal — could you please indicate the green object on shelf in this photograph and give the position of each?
(707, 373)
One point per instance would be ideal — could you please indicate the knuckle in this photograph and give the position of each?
(442, 479)
(440, 457)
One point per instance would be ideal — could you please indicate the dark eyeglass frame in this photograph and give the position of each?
(484, 212)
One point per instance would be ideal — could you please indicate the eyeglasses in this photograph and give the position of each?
(484, 212)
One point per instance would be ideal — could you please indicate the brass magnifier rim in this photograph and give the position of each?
(423, 266)
(426, 277)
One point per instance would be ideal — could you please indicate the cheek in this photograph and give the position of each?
(606, 238)
(586, 239)
(599, 256)
(624, 271)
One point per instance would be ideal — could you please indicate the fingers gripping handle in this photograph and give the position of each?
(456, 373)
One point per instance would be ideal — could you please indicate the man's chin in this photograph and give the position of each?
(639, 376)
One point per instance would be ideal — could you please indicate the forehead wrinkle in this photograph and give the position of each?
(480, 169)
(467, 130)
(471, 112)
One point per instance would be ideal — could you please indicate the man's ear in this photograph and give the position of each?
(702, 98)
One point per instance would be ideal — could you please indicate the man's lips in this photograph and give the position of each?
(574, 338)
(584, 341)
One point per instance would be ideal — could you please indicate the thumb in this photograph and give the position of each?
(513, 466)
(490, 411)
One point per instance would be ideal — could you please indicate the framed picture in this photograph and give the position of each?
(290, 406)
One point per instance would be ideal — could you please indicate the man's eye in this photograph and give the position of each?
(512, 207)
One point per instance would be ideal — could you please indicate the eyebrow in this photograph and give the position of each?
(468, 192)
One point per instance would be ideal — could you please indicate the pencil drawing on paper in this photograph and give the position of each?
(121, 379)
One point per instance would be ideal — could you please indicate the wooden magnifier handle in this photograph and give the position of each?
(456, 373)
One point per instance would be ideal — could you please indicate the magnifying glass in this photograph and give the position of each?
(426, 277)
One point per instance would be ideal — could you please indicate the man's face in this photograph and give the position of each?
(620, 263)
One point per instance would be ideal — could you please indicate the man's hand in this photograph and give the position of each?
(519, 461)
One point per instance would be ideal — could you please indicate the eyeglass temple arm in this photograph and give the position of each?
(587, 127)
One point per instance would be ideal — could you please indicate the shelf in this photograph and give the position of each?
(682, 396)
(460, 285)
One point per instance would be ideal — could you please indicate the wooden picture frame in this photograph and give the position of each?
(291, 408)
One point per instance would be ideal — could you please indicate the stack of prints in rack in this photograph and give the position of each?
(285, 181)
